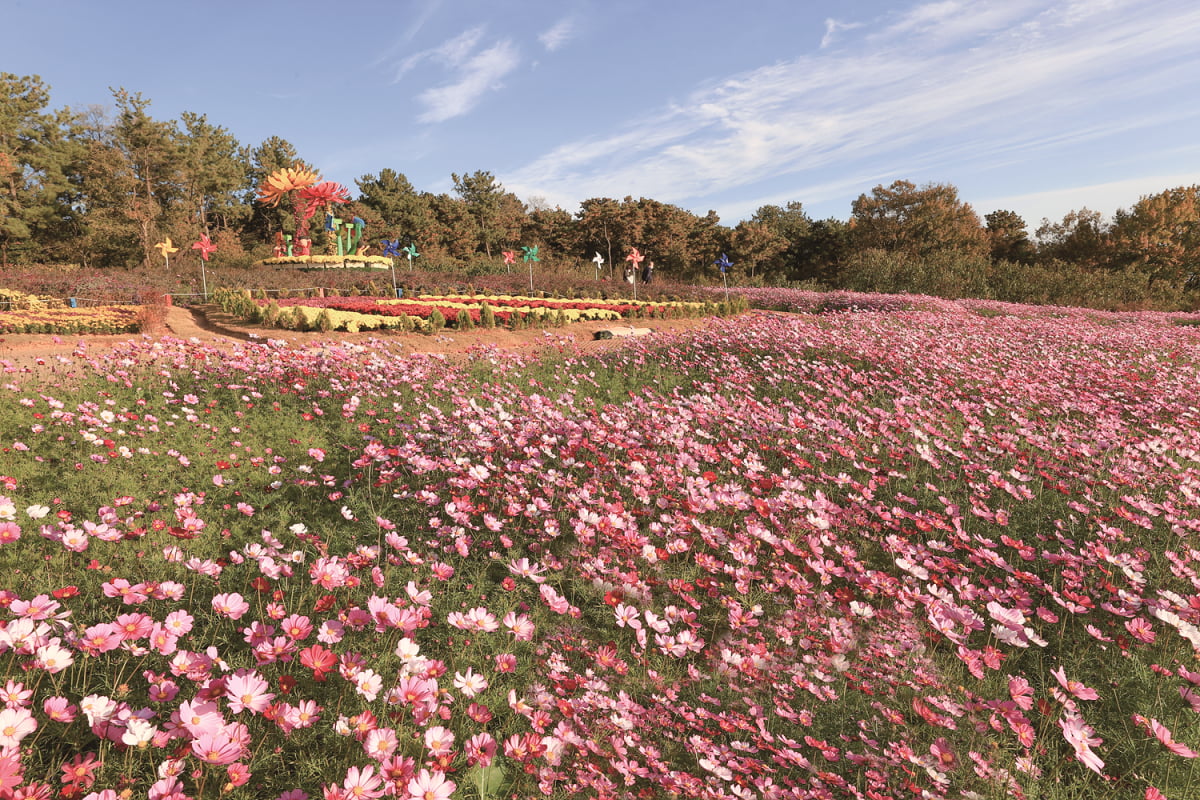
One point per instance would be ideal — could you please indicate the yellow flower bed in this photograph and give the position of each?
(100, 319)
(353, 262)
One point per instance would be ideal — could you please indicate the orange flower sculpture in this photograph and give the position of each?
(323, 194)
(282, 181)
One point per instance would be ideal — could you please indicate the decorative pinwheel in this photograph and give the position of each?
(635, 259)
(723, 263)
(390, 248)
(206, 248)
(166, 248)
(510, 258)
(529, 255)
(411, 253)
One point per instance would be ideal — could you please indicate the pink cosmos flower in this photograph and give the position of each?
(247, 691)
(15, 725)
(230, 605)
(60, 709)
(1082, 737)
(430, 786)
(438, 741)
(217, 748)
(1075, 688)
(362, 783)
(1163, 734)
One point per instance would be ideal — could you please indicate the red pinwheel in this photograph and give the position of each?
(321, 194)
(205, 246)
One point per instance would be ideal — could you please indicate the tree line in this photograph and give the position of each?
(100, 187)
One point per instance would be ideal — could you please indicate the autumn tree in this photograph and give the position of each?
(916, 220)
(1160, 235)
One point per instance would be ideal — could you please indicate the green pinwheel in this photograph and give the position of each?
(410, 252)
(529, 255)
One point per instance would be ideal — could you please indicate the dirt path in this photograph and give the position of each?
(34, 353)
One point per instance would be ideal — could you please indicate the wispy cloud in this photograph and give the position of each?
(415, 24)
(476, 70)
(938, 76)
(477, 74)
(562, 32)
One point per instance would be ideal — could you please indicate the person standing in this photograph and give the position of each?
(648, 272)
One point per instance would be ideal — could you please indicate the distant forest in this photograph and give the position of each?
(100, 187)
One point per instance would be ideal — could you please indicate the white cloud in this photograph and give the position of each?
(478, 74)
(562, 32)
(945, 77)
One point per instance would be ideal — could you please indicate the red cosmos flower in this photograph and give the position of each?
(325, 603)
(65, 592)
(613, 597)
(319, 660)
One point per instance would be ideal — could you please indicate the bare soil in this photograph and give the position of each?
(32, 353)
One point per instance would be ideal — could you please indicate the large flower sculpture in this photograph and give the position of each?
(323, 194)
(307, 191)
(279, 183)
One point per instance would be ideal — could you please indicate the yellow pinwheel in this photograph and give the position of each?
(166, 248)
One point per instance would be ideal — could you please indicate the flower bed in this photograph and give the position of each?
(328, 262)
(95, 320)
(365, 313)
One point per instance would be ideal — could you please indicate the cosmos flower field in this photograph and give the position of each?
(863, 554)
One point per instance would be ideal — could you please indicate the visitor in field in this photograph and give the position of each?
(648, 272)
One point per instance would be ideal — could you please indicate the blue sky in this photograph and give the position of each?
(1036, 106)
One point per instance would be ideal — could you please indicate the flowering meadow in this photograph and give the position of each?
(867, 554)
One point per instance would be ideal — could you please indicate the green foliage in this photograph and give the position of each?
(437, 321)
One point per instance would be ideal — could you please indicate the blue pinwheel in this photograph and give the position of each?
(723, 263)
(391, 248)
